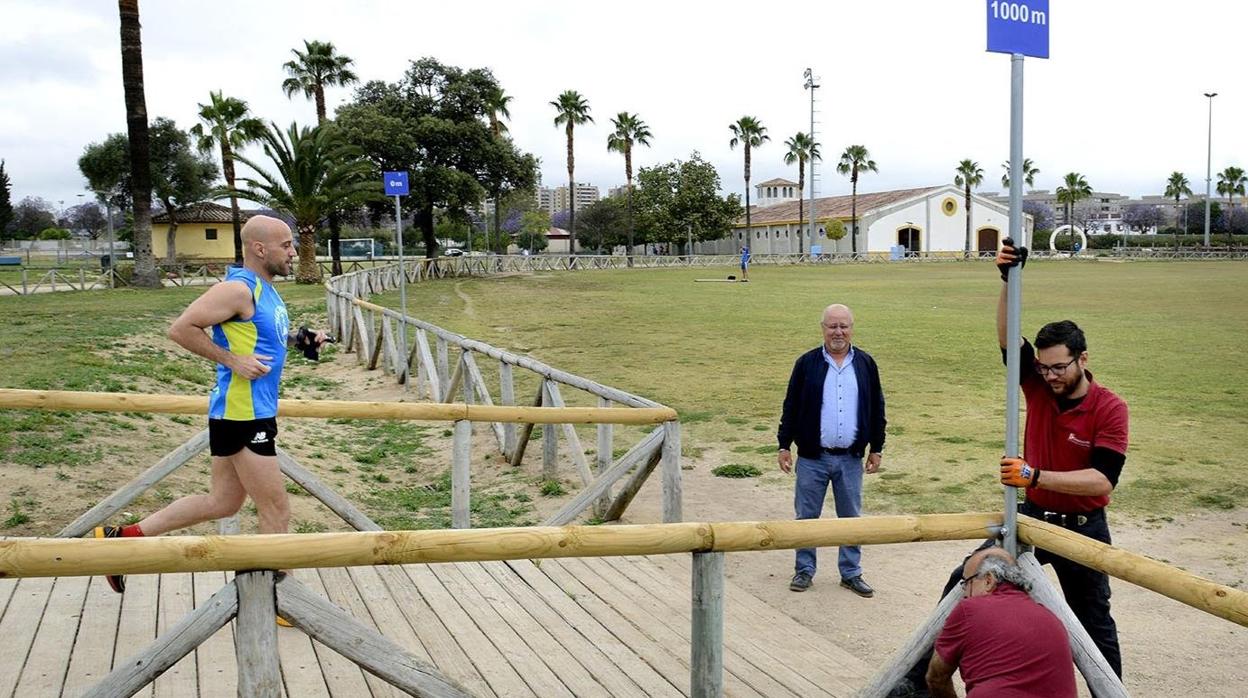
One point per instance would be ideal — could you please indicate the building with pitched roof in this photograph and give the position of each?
(204, 231)
(926, 219)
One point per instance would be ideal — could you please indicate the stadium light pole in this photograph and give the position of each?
(810, 85)
(1209, 165)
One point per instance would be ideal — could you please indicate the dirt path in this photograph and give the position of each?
(1169, 649)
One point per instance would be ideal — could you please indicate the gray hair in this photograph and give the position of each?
(1004, 571)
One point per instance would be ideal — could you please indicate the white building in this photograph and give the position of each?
(928, 219)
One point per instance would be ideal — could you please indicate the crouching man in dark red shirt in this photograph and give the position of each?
(1002, 642)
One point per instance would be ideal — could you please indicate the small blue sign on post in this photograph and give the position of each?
(396, 183)
(1019, 26)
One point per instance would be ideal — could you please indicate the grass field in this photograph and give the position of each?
(1164, 336)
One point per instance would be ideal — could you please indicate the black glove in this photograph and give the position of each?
(1009, 256)
(305, 341)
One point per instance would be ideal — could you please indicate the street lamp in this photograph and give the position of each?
(1209, 166)
(812, 86)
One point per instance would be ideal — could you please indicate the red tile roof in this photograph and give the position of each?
(203, 212)
(830, 206)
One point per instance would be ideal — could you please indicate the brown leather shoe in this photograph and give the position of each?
(859, 587)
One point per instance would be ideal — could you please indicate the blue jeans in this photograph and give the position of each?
(844, 472)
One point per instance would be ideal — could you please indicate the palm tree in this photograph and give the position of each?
(969, 175)
(1073, 190)
(225, 124)
(1177, 186)
(1029, 173)
(629, 129)
(316, 173)
(140, 145)
(855, 159)
(800, 149)
(573, 111)
(496, 106)
(319, 66)
(1231, 181)
(750, 133)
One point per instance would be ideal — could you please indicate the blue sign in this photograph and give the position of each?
(1019, 26)
(396, 183)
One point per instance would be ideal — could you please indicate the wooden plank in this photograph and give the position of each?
(301, 671)
(816, 659)
(630, 627)
(136, 627)
(385, 612)
(444, 650)
(670, 629)
(115, 502)
(374, 356)
(342, 676)
(177, 600)
(620, 504)
(550, 452)
(603, 454)
(430, 368)
(363, 349)
(18, 627)
(507, 396)
(444, 373)
(343, 594)
(706, 676)
(256, 636)
(453, 383)
(49, 656)
(364, 645)
(215, 663)
(916, 646)
(538, 630)
(132, 675)
(490, 663)
(483, 391)
(527, 663)
(92, 655)
(461, 453)
(390, 347)
(569, 435)
(672, 495)
(526, 430)
(647, 449)
(336, 502)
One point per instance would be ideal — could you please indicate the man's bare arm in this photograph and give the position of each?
(940, 678)
(220, 303)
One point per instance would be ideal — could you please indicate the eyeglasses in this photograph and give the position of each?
(1055, 369)
(967, 580)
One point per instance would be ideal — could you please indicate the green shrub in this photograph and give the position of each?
(54, 234)
(552, 488)
(736, 470)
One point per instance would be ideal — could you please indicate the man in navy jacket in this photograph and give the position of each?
(834, 411)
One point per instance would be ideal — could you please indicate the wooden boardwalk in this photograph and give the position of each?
(564, 627)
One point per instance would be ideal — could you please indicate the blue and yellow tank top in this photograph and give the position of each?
(234, 397)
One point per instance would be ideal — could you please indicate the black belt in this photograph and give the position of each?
(1066, 520)
(837, 451)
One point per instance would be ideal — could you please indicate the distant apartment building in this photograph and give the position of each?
(554, 200)
(1099, 213)
(620, 191)
(544, 199)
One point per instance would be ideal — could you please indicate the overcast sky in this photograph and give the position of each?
(1120, 100)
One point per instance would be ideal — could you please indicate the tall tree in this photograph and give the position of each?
(433, 123)
(1231, 181)
(800, 149)
(145, 275)
(969, 175)
(629, 129)
(316, 172)
(319, 66)
(573, 111)
(180, 176)
(1029, 173)
(496, 106)
(679, 200)
(749, 133)
(225, 124)
(1073, 190)
(855, 160)
(6, 200)
(1177, 186)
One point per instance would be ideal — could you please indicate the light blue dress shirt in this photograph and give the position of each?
(838, 418)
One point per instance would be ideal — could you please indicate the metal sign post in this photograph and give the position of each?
(1019, 29)
(396, 186)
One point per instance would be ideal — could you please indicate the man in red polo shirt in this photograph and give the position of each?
(999, 640)
(1075, 447)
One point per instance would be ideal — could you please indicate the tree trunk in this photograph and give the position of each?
(968, 222)
(145, 274)
(424, 221)
(227, 167)
(320, 103)
(308, 272)
(801, 202)
(628, 195)
(335, 243)
(748, 232)
(171, 236)
(571, 195)
(853, 213)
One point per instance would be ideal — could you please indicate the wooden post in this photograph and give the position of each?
(569, 435)
(633, 486)
(917, 645)
(706, 662)
(647, 450)
(461, 450)
(507, 396)
(255, 641)
(444, 372)
(327, 496)
(603, 458)
(457, 376)
(228, 526)
(550, 443)
(526, 430)
(362, 349)
(431, 370)
(133, 673)
(477, 381)
(672, 494)
(1101, 679)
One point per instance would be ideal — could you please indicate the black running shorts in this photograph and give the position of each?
(227, 437)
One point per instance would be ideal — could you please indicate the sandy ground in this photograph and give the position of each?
(1169, 649)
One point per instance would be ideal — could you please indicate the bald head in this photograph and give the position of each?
(263, 229)
(972, 564)
(838, 330)
(268, 246)
(838, 312)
